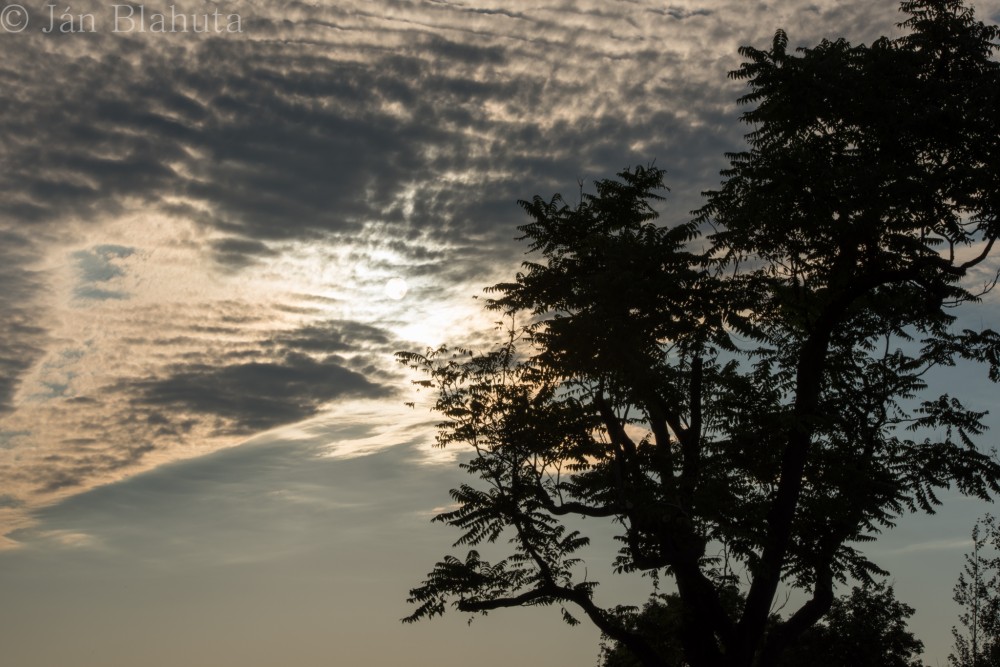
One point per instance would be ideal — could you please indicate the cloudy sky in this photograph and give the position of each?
(211, 243)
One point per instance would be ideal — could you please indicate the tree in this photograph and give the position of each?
(866, 628)
(659, 623)
(978, 594)
(759, 389)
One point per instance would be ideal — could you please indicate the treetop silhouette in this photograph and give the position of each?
(750, 383)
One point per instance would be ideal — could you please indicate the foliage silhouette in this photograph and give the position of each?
(757, 391)
(867, 628)
(864, 629)
(977, 592)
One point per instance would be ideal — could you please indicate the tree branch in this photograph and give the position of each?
(476, 606)
(691, 437)
(805, 617)
(564, 508)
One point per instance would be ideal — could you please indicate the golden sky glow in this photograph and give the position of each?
(211, 246)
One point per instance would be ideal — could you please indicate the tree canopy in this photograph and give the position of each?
(866, 628)
(751, 382)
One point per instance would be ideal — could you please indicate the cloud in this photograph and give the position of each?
(944, 544)
(335, 336)
(72, 469)
(22, 336)
(231, 207)
(290, 480)
(8, 439)
(257, 396)
(237, 253)
(275, 143)
(681, 13)
(66, 539)
(209, 376)
(10, 502)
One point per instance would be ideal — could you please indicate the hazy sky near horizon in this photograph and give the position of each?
(212, 243)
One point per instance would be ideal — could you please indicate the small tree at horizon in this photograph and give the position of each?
(760, 388)
(977, 592)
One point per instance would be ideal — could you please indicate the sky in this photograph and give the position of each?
(213, 241)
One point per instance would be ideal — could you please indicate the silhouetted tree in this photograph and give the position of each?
(978, 594)
(659, 623)
(866, 628)
(759, 389)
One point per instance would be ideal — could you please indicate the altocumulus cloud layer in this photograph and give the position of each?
(196, 230)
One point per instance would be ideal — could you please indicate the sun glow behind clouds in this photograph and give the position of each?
(396, 288)
(148, 305)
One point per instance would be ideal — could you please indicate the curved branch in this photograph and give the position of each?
(475, 606)
(633, 641)
(564, 508)
(614, 427)
(804, 618)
